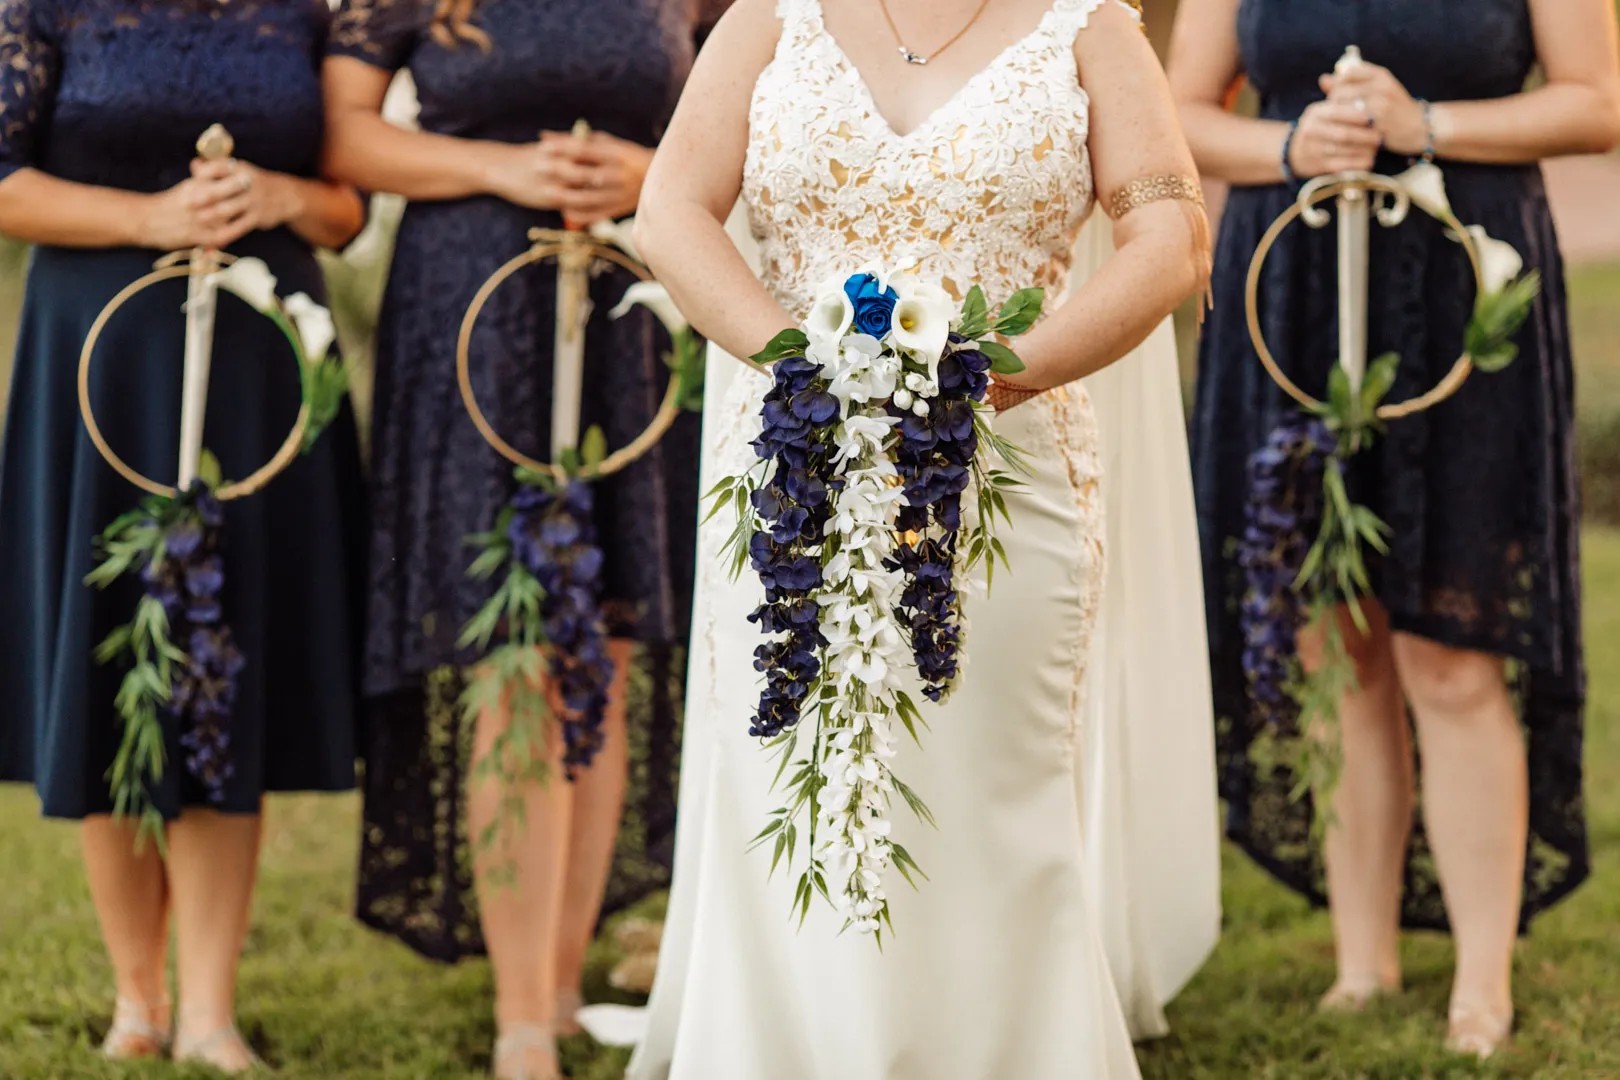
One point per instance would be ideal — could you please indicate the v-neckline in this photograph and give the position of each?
(939, 110)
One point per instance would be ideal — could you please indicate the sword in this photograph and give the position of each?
(1355, 225)
(215, 144)
(568, 343)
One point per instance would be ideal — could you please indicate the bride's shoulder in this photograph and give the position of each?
(1107, 28)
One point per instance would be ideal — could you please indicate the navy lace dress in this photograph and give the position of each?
(1480, 492)
(620, 65)
(115, 93)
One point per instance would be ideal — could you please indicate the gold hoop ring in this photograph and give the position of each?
(1389, 213)
(546, 244)
(169, 268)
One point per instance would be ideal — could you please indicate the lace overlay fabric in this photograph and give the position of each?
(1481, 492)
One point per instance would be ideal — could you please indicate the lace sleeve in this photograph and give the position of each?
(382, 33)
(29, 61)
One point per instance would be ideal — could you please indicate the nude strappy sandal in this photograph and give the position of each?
(201, 1051)
(133, 1036)
(517, 1039)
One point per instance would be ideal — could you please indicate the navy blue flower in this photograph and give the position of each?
(874, 306)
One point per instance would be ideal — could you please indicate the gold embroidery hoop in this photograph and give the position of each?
(1391, 205)
(170, 267)
(550, 244)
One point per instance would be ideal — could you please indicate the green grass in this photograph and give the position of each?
(325, 999)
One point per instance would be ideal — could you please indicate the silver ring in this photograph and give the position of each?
(1361, 104)
(244, 183)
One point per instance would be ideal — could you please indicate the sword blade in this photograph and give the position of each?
(201, 301)
(568, 352)
(1355, 226)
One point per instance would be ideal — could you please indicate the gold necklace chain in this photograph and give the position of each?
(918, 58)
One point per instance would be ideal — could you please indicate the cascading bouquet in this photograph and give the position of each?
(1303, 551)
(541, 640)
(872, 436)
(184, 664)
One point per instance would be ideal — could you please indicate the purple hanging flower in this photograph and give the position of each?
(1283, 513)
(553, 536)
(189, 582)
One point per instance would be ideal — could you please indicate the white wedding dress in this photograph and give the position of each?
(997, 967)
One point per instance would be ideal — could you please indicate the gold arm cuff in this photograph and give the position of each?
(1151, 189)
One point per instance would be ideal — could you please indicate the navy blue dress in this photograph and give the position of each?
(1481, 491)
(620, 65)
(115, 93)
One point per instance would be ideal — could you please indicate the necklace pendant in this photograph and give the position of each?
(912, 58)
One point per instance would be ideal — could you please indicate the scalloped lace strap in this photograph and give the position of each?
(1071, 16)
(801, 20)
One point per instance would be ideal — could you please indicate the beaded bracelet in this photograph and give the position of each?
(1428, 129)
(1287, 148)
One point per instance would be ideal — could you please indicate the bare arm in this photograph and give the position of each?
(1204, 63)
(366, 150)
(1160, 259)
(694, 181)
(211, 209)
(1575, 111)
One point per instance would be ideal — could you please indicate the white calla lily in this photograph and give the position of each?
(831, 318)
(655, 298)
(1425, 185)
(619, 234)
(922, 323)
(1499, 261)
(250, 279)
(313, 322)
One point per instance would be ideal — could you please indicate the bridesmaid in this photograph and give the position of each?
(501, 83)
(1482, 581)
(101, 103)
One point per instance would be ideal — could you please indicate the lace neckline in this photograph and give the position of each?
(818, 27)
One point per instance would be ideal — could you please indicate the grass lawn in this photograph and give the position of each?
(324, 999)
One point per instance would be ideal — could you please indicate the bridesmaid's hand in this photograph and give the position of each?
(239, 198)
(1332, 137)
(184, 216)
(1376, 92)
(609, 174)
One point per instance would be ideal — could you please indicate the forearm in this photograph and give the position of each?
(1549, 121)
(324, 214)
(688, 249)
(38, 208)
(1236, 149)
(1148, 277)
(375, 155)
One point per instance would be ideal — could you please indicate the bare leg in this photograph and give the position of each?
(520, 889)
(1365, 847)
(131, 898)
(1476, 806)
(598, 805)
(213, 865)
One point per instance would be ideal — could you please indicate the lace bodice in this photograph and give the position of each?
(115, 92)
(991, 189)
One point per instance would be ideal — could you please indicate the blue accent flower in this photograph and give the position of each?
(874, 305)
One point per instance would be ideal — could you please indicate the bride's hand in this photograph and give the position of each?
(1374, 91)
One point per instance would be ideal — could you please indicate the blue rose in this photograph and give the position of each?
(874, 306)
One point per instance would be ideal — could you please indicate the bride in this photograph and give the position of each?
(979, 158)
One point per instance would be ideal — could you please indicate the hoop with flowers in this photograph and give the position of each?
(1304, 548)
(183, 663)
(878, 490)
(540, 641)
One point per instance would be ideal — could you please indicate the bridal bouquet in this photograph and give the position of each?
(184, 665)
(872, 436)
(1305, 543)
